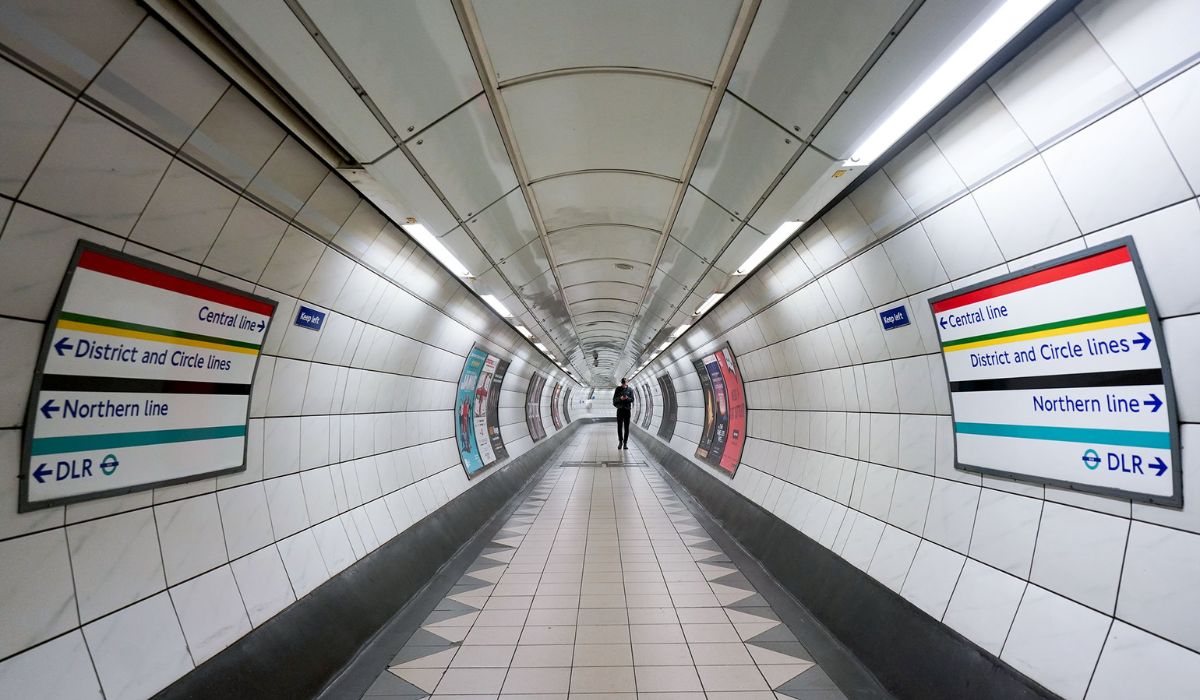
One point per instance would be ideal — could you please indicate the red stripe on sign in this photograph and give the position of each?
(1074, 268)
(99, 262)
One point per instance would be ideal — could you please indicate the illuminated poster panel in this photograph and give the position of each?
(710, 423)
(555, 417)
(143, 380)
(476, 424)
(567, 405)
(666, 427)
(533, 407)
(648, 414)
(493, 410)
(724, 433)
(1058, 375)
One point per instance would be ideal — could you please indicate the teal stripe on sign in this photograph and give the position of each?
(112, 441)
(1123, 438)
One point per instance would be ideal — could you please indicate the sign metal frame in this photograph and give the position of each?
(24, 505)
(1175, 500)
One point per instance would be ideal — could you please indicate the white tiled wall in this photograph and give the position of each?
(1088, 135)
(116, 132)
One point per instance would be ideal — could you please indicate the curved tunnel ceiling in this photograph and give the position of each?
(600, 167)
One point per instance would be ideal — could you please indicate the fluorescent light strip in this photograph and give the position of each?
(679, 331)
(992, 35)
(496, 304)
(524, 331)
(709, 302)
(429, 242)
(784, 232)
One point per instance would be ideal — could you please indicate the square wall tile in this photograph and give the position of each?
(984, 604)
(1158, 590)
(37, 599)
(1137, 664)
(97, 172)
(211, 612)
(191, 537)
(139, 650)
(1006, 526)
(1079, 555)
(1115, 169)
(932, 578)
(116, 561)
(1056, 642)
(1024, 210)
(57, 670)
(263, 583)
(1060, 83)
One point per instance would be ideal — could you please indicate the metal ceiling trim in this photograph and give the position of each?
(733, 51)
(473, 36)
(609, 171)
(603, 70)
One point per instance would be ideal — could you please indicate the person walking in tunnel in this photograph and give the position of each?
(623, 400)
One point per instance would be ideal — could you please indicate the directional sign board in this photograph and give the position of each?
(144, 380)
(1058, 375)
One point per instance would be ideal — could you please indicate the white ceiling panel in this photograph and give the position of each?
(465, 156)
(681, 263)
(703, 226)
(584, 122)
(587, 242)
(602, 290)
(934, 32)
(743, 155)
(273, 35)
(505, 226)
(624, 306)
(604, 198)
(526, 264)
(602, 269)
(799, 57)
(465, 249)
(743, 246)
(801, 193)
(533, 36)
(409, 55)
(394, 181)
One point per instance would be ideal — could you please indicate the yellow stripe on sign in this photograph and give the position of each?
(154, 337)
(1081, 328)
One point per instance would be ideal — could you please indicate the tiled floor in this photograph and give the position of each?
(603, 586)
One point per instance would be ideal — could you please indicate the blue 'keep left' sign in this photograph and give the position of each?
(310, 318)
(894, 317)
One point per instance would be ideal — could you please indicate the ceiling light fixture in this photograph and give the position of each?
(496, 304)
(784, 232)
(680, 331)
(1008, 20)
(430, 243)
(662, 347)
(709, 302)
(524, 331)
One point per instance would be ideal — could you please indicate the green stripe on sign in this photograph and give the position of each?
(1122, 438)
(112, 441)
(110, 323)
(1108, 316)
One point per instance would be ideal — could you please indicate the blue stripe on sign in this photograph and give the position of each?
(1123, 438)
(110, 441)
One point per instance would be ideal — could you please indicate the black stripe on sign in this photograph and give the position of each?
(64, 382)
(1135, 377)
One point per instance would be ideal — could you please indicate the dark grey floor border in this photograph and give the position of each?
(910, 653)
(321, 642)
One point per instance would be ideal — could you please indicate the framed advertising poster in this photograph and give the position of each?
(724, 433)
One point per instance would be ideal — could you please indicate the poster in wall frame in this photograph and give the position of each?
(724, 431)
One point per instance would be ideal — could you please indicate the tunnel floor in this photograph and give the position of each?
(603, 584)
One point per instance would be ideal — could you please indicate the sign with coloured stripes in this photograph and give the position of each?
(1058, 375)
(143, 380)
